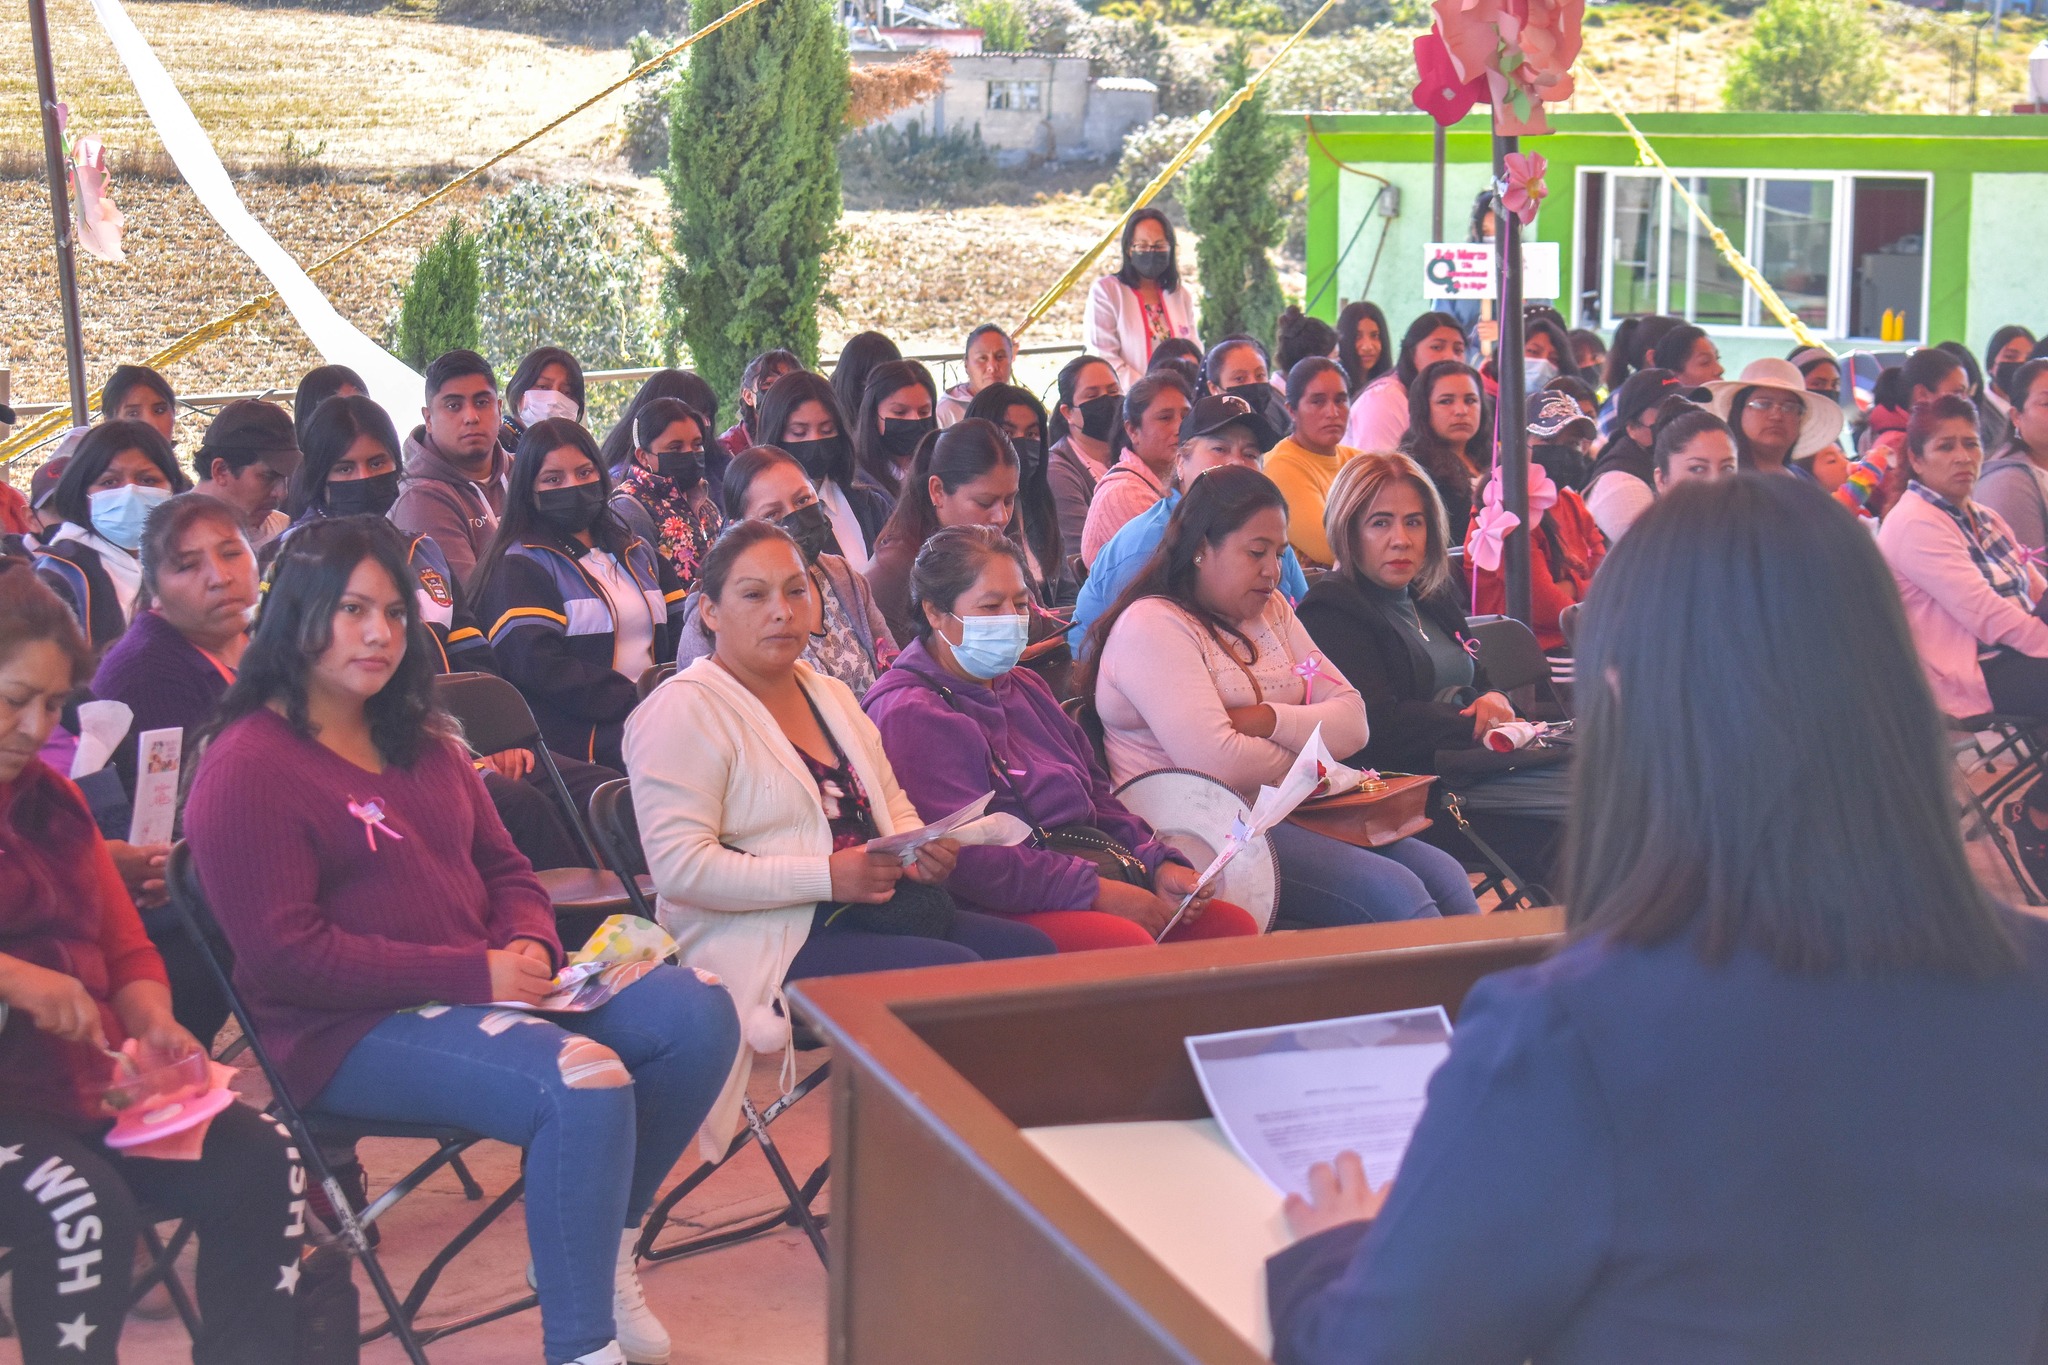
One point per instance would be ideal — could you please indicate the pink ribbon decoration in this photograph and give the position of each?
(1470, 646)
(1522, 189)
(1542, 492)
(1490, 530)
(371, 813)
(99, 222)
(1308, 670)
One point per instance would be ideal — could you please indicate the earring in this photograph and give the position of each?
(1198, 559)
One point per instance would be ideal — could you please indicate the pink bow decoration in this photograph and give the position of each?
(1490, 531)
(99, 222)
(1308, 670)
(1470, 646)
(1522, 189)
(2029, 556)
(1542, 491)
(371, 813)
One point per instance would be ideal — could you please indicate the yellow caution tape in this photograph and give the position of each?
(49, 424)
(1159, 181)
(1736, 261)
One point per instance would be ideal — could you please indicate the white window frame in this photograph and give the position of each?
(1013, 88)
(1757, 322)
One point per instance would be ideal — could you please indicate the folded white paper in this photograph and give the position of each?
(102, 725)
(964, 826)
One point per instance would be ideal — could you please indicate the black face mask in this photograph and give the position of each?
(811, 528)
(569, 511)
(819, 458)
(1259, 398)
(1030, 455)
(683, 468)
(900, 435)
(366, 497)
(1151, 264)
(2002, 377)
(1098, 416)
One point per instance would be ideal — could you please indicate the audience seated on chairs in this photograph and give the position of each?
(171, 669)
(1389, 619)
(1201, 664)
(1379, 414)
(755, 381)
(847, 638)
(1219, 431)
(1047, 556)
(137, 393)
(891, 417)
(1305, 462)
(120, 470)
(453, 486)
(691, 390)
(662, 494)
(1091, 400)
(578, 606)
(351, 469)
(329, 742)
(246, 459)
(1239, 364)
(988, 360)
(1972, 599)
(756, 782)
(1775, 420)
(1623, 483)
(1565, 548)
(1780, 1097)
(801, 415)
(316, 386)
(1450, 437)
(78, 974)
(2012, 485)
(959, 719)
(547, 383)
(965, 476)
(1154, 412)
(1693, 445)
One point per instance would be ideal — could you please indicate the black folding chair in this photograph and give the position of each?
(652, 678)
(1514, 661)
(310, 1128)
(494, 718)
(163, 1264)
(618, 839)
(1982, 744)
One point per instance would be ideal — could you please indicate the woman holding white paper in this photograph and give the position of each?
(1202, 665)
(1781, 1098)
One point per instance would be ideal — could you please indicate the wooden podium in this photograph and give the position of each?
(955, 1242)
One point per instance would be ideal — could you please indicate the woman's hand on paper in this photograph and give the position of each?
(142, 868)
(1489, 712)
(517, 977)
(1141, 907)
(863, 878)
(935, 862)
(1338, 1194)
(535, 949)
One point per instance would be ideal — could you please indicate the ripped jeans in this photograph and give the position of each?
(603, 1103)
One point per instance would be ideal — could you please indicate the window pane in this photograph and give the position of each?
(1704, 288)
(1888, 253)
(1632, 258)
(1797, 252)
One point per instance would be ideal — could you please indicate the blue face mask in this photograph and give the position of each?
(1536, 372)
(118, 513)
(990, 645)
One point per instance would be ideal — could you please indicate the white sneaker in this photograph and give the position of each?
(641, 1336)
(607, 1354)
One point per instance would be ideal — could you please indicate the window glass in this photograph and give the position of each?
(1633, 258)
(1796, 253)
(1021, 95)
(1704, 288)
(1887, 256)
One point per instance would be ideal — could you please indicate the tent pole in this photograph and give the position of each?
(60, 211)
(1511, 425)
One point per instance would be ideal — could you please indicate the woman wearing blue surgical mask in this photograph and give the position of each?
(663, 493)
(960, 720)
(92, 562)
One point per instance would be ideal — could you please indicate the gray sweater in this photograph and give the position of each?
(2017, 489)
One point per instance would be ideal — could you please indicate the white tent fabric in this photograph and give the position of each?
(393, 384)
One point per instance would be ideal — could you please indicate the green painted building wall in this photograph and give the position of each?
(1987, 237)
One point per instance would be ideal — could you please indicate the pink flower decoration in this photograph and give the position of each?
(1542, 492)
(1522, 188)
(1441, 92)
(1490, 531)
(1308, 670)
(99, 222)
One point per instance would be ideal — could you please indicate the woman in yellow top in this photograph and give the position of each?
(1306, 463)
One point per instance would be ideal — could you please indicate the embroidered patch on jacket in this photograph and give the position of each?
(436, 587)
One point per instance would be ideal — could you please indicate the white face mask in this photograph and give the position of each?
(538, 405)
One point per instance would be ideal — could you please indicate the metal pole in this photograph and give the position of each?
(1436, 203)
(1510, 420)
(60, 211)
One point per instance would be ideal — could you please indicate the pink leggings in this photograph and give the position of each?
(1078, 931)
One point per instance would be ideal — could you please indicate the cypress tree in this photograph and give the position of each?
(438, 311)
(753, 177)
(1236, 217)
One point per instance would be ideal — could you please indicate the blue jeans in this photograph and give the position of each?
(1325, 882)
(835, 951)
(599, 1140)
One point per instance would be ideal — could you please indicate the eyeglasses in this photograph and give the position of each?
(1783, 406)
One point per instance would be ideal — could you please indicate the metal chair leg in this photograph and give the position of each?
(470, 1189)
(799, 1207)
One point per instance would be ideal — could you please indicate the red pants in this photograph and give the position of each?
(1078, 931)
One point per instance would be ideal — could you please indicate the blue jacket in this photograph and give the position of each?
(1125, 554)
(551, 626)
(1633, 1156)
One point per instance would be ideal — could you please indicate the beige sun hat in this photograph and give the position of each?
(1820, 428)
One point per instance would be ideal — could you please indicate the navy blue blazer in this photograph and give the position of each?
(1631, 1156)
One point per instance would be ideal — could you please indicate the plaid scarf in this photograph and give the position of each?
(1991, 550)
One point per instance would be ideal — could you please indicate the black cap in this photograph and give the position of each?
(250, 424)
(1645, 389)
(1219, 410)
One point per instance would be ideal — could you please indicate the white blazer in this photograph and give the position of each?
(736, 838)
(1116, 325)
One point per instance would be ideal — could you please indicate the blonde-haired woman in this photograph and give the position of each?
(1388, 617)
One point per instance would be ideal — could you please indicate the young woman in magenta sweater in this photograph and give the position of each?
(387, 909)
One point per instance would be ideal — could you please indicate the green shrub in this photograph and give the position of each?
(1147, 149)
(1002, 24)
(561, 267)
(643, 125)
(1236, 217)
(1807, 56)
(1369, 70)
(909, 164)
(438, 309)
(585, 20)
(1257, 16)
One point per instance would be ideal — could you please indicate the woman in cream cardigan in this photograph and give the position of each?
(756, 781)
(1202, 665)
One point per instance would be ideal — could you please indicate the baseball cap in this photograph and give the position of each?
(1645, 389)
(1553, 414)
(1219, 410)
(43, 482)
(250, 425)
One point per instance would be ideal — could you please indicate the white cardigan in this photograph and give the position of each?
(736, 838)
(1116, 325)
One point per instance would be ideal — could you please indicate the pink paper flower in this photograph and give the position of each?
(1490, 531)
(1542, 492)
(1522, 188)
(99, 222)
(1441, 92)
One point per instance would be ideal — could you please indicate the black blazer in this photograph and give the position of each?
(1355, 633)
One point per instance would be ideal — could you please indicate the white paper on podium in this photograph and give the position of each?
(1292, 1096)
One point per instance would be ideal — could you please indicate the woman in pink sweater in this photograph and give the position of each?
(383, 914)
(1202, 665)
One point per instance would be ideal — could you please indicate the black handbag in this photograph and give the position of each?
(914, 910)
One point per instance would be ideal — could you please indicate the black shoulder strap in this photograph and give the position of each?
(998, 770)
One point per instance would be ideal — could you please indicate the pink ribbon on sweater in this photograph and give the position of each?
(371, 813)
(1308, 670)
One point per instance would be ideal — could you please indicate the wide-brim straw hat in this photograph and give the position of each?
(1822, 424)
